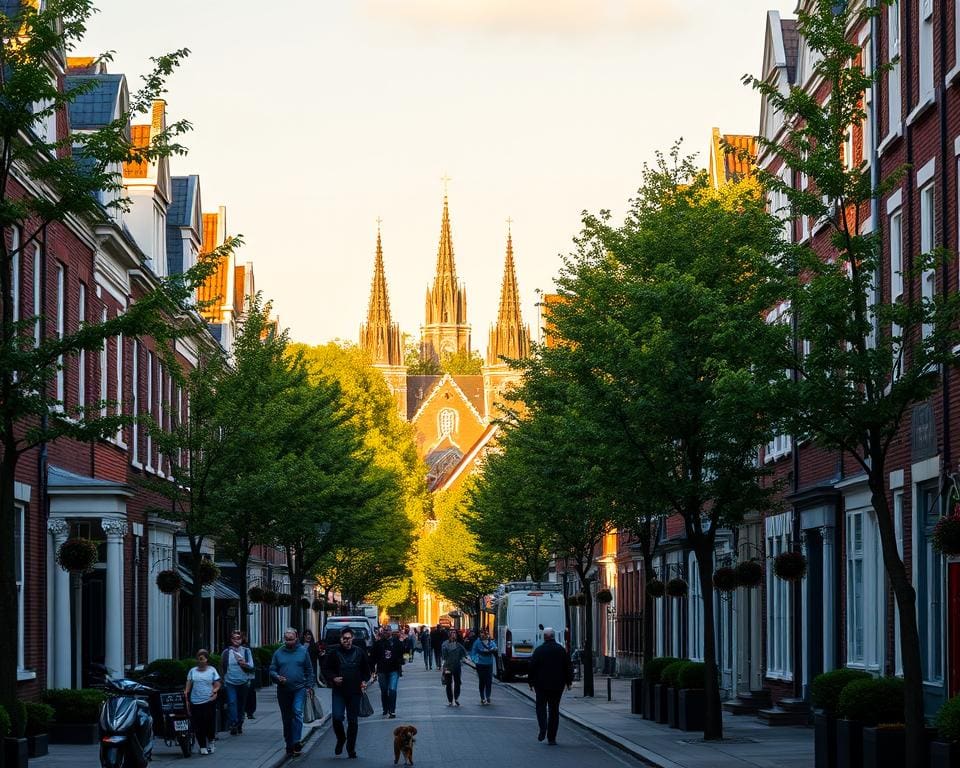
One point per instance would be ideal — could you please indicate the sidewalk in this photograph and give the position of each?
(260, 746)
(747, 742)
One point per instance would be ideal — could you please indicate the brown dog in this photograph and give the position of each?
(403, 744)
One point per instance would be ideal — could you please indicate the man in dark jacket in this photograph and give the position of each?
(347, 669)
(437, 638)
(427, 647)
(387, 660)
(550, 673)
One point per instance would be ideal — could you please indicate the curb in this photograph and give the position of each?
(615, 740)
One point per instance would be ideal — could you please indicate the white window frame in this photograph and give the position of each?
(161, 411)
(694, 610)
(781, 444)
(15, 268)
(925, 52)
(20, 522)
(119, 383)
(928, 213)
(104, 383)
(61, 394)
(894, 98)
(149, 410)
(37, 285)
(779, 602)
(898, 526)
(866, 591)
(447, 414)
(82, 357)
(135, 404)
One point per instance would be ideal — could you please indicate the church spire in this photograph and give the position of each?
(380, 337)
(509, 337)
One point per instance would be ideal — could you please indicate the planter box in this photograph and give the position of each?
(74, 733)
(37, 745)
(824, 740)
(884, 747)
(636, 696)
(944, 754)
(693, 709)
(673, 707)
(15, 752)
(849, 744)
(660, 703)
(648, 713)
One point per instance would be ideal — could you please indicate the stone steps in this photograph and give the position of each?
(749, 703)
(786, 712)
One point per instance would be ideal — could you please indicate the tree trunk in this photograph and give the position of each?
(196, 599)
(8, 582)
(648, 611)
(244, 620)
(713, 721)
(586, 654)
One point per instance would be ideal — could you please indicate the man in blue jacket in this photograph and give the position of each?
(292, 671)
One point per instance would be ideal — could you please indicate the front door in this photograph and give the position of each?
(93, 639)
(953, 628)
(813, 631)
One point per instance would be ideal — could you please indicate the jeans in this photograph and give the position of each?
(349, 704)
(454, 679)
(388, 690)
(548, 712)
(485, 673)
(427, 657)
(237, 702)
(291, 712)
(437, 656)
(201, 719)
(250, 707)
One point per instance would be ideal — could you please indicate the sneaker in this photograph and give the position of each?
(456, 703)
(212, 747)
(449, 703)
(392, 715)
(203, 751)
(233, 731)
(338, 750)
(298, 748)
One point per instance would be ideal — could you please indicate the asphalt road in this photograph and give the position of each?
(501, 735)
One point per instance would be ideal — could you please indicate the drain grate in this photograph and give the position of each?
(734, 740)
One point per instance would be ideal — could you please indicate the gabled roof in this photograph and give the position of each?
(10, 8)
(139, 137)
(791, 47)
(421, 389)
(183, 212)
(97, 106)
(214, 292)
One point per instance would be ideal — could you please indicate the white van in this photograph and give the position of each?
(522, 609)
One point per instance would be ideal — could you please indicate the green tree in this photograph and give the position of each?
(869, 362)
(70, 174)
(411, 359)
(463, 363)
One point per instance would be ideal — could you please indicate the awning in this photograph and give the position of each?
(219, 590)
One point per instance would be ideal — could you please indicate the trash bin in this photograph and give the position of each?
(636, 696)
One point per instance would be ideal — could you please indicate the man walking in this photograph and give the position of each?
(347, 669)
(550, 672)
(426, 647)
(291, 670)
(437, 638)
(387, 659)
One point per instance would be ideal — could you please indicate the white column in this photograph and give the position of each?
(829, 630)
(115, 530)
(59, 595)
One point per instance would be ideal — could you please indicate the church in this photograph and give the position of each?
(454, 417)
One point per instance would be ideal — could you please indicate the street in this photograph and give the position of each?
(503, 734)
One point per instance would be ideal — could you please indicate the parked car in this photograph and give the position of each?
(331, 634)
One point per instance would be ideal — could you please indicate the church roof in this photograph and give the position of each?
(421, 388)
(380, 336)
(509, 337)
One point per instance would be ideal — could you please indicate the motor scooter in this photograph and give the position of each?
(126, 725)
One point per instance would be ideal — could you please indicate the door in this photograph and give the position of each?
(814, 607)
(93, 639)
(953, 626)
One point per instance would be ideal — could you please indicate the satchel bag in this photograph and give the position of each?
(312, 709)
(366, 708)
(445, 677)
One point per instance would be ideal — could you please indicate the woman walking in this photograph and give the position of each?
(203, 684)
(236, 663)
(313, 650)
(484, 655)
(452, 655)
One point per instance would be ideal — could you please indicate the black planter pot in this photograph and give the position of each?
(673, 707)
(37, 745)
(648, 707)
(883, 747)
(693, 709)
(15, 752)
(636, 696)
(945, 754)
(849, 744)
(660, 703)
(824, 740)
(73, 733)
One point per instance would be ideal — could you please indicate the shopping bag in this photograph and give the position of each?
(366, 708)
(312, 709)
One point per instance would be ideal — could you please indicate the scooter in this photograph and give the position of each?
(126, 725)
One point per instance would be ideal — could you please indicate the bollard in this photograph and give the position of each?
(609, 689)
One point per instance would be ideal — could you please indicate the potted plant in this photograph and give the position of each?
(749, 573)
(305, 603)
(166, 674)
(946, 534)
(317, 604)
(15, 748)
(669, 677)
(692, 704)
(865, 704)
(169, 582)
(39, 717)
(255, 594)
(656, 691)
(75, 714)
(790, 566)
(284, 599)
(269, 597)
(825, 695)
(573, 600)
(677, 588)
(604, 596)
(209, 571)
(725, 579)
(77, 555)
(4, 730)
(945, 750)
(655, 588)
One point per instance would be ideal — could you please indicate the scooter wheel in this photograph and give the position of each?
(186, 745)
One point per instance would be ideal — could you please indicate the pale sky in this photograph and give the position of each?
(312, 118)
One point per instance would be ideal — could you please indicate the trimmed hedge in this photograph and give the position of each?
(693, 674)
(262, 656)
(873, 701)
(653, 669)
(4, 723)
(948, 720)
(671, 673)
(18, 719)
(165, 672)
(75, 706)
(826, 688)
(39, 717)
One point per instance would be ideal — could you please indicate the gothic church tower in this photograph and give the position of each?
(380, 336)
(446, 330)
(509, 338)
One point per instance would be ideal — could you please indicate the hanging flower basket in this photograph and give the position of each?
(725, 579)
(677, 588)
(255, 594)
(284, 599)
(655, 588)
(576, 599)
(169, 582)
(269, 597)
(946, 535)
(305, 603)
(604, 596)
(790, 566)
(209, 572)
(318, 605)
(77, 555)
(749, 573)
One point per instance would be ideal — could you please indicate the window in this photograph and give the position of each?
(898, 533)
(865, 591)
(927, 234)
(695, 605)
(37, 283)
(926, 50)
(61, 315)
(149, 461)
(135, 403)
(15, 267)
(82, 357)
(120, 384)
(448, 422)
(894, 103)
(19, 526)
(161, 410)
(779, 602)
(104, 392)
(930, 588)
(781, 444)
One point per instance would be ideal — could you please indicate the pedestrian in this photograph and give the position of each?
(203, 686)
(290, 669)
(451, 670)
(313, 649)
(426, 648)
(347, 669)
(387, 661)
(484, 655)
(251, 706)
(410, 639)
(550, 672)
(236, 663)
(437, 638)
